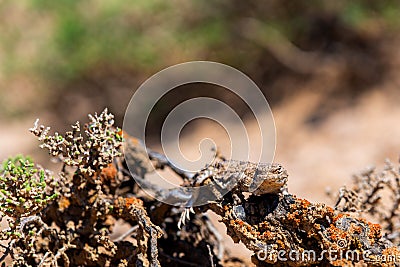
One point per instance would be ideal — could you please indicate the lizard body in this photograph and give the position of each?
(259, 179)
(236, 177)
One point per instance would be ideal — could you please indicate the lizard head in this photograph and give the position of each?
(269, 179)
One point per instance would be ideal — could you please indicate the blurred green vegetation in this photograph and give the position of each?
(53, 45)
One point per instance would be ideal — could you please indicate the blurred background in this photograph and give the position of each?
(329, 70)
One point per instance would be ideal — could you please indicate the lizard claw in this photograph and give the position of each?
(185, 216)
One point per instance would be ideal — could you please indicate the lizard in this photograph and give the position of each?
(215, 180)
(235, 177)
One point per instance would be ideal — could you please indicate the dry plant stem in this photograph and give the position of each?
(378, 197)
(132, 210)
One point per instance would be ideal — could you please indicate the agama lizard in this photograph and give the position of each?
(235, 177)
(209, 184)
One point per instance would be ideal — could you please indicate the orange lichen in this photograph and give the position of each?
(109, 172)
(336, 234)
(329, 209)
(280, 244)
(268, 235)
(338, 217)
(304, 203)
(240, 222)
(125, 203)
(133, 201)
(132, 139)
(375, 231)
(293, 217)
(357, 229)
(391, 251)
(63, 203)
